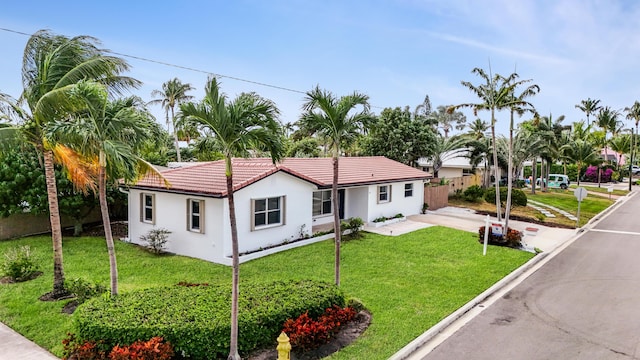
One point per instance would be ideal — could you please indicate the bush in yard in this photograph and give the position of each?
(512, 239)
(306, 333)
(156, 240)
(195, 319)
(518, 197)
(154, 349)
(18, 264)
(354, 225)
(83, 289)
(473, 193)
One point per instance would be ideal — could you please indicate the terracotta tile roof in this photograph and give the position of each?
(209, 178)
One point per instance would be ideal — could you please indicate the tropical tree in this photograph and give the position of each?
(106, 136)
(589, 107)
(52, 67)
(238, 126)
(447, 121)
(398, 135)
(173, 93)
(336, 120)
(479, 146)
(621, 144)
(519, 106)
(552, 132)
(444, 149)
(494, 94)
(633, 113)
(582, 153)
(608, 122)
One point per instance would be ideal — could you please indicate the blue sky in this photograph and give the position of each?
(394, 51)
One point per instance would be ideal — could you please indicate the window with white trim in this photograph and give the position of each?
(384, 193)
(147, 208)
(322, 203)
(408, 190)
(195, 215)
(268, 212)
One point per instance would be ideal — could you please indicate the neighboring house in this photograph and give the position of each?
(454, 164)
(274, 204)
(613, 156)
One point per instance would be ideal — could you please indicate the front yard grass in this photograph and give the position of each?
(408, 282)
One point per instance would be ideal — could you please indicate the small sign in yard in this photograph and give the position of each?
(496, 229)
(580, 193)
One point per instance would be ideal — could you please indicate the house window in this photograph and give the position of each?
(268, 212)
(195, 215)
(384, 193)
(321, 202)
(147, 208)
(408, 190)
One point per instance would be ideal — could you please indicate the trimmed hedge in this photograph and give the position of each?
(196, 319)
(518, 197)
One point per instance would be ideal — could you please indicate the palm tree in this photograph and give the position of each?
(633, 113)
(552, 132)
(446, 121)
(444, 148)
(582, 152)
(607, 121)
(333, 119)
(494, 94)
(52, 67)
(589, 107)
(248, 122)
(519, 106)
(109, 135)
(173, 93)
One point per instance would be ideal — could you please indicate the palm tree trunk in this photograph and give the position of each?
(336, 215)
(495, 166)
(175, 135)
(534, 177)
(235, 287)
(578, 179)
(56, 229)
(106, 223)
(507, 210)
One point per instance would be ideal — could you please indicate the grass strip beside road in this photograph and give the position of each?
(409, 282)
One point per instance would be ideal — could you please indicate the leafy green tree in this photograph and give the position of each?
(173, 93)
(621, 144)
(52, 66)
(335, 120)
(248, 122)
(589, 107)
(494, 94)
(107, 136)
(633, 113)
(398, 135)
(443, 149)
(608, 122)
(306, 147)
(583, 153)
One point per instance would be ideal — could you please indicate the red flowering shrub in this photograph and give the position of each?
(305, 333)
(89, 350)
(154, 349)
(513, 238)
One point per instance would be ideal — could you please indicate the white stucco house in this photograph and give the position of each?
(455, 164)
(274, 204)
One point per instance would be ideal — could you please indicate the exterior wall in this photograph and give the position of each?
(448, 172)
(171, 214)
(398, 204)
(298, 207)
(356, 203)
(26, 224)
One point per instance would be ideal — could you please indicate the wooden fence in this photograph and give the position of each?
(437, 196)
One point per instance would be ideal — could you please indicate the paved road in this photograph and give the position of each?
(582, 304)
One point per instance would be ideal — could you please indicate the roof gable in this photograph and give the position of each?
(209, 177)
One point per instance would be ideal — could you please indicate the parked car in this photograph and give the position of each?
(635, 169)
(556, 181)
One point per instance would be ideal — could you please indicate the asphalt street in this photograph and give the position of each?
(584, 303)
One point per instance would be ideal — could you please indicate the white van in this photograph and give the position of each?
(557, 181)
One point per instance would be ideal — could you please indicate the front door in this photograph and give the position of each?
(341, 203)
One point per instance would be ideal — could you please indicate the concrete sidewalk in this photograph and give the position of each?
(14, 346)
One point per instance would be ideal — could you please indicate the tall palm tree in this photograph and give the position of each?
(608, 122)
(447, 121)
(173, 93)
(52, 67)
(589, 107)
(334, 119)
(248, 122)
(494, 94)
(479, 145)
(582, 152)
(519, 106)
(444, 149)
(633, 113)
(552, 132)
(108, 135)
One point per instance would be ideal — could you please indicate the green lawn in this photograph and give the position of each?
(408, 282)
(565, 200)
(602, 189)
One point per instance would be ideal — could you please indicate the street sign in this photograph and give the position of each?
(610, 188)
(580, 193)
